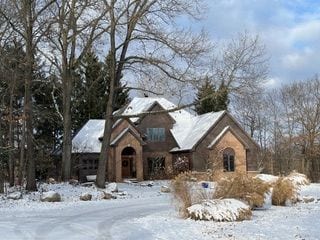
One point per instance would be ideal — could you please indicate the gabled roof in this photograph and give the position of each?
(188, 135)
(143, 105)
(223, 132)
(125, 132)
(187, 130)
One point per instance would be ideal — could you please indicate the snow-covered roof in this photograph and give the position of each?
(87, 139)
(187, 130)
(141, 105)
(187, 135)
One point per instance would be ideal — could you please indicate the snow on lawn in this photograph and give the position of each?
(70, 195)
(300, 221)
(146, 213)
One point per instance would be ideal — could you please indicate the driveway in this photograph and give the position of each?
(85, 220)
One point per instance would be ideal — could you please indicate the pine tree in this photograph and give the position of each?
(121, 93)
(89, 93)
(91, 90)
(210, 99)
(222, 98)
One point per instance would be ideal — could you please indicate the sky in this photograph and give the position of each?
(290, 30)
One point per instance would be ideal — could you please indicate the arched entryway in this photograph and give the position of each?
(128, 163)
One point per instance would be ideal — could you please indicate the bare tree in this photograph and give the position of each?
(295, 127)
(143, 39)
(242, 65)
(77, 25)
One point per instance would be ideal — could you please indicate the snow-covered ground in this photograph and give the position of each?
(142, 212)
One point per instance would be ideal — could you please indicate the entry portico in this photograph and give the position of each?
(127, 156)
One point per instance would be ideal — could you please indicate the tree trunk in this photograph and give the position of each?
(22, 153)
(1, 180)
(11, 159)
(31, 171)
(104, 154)
(67, 140)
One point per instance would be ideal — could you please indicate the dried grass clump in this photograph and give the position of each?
(181, 191)
(298, 179)
(243, 187)
(220, 210)
(284, 191)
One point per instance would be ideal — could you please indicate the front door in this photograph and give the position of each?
(127, 166)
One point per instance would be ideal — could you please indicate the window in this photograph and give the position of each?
(156, 134)
(228, 160)
(156, 165)
(88, 164)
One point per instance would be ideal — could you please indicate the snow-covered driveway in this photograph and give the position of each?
(92, 220)
(144, 213)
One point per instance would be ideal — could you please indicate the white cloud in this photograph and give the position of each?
(290, 30)
(308, 31)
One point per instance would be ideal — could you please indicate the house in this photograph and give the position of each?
(142, 147)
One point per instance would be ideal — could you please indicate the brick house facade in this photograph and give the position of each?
(142, 146)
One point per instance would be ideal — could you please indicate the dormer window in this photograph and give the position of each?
(156, 134)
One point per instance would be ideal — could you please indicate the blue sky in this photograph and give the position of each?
(290, 29)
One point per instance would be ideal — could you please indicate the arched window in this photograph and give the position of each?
(228, 160)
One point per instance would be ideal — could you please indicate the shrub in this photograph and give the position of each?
(220, 210)
(243, 187)
(181, 164)
(181, 192)
(284, 191)
(298, 179)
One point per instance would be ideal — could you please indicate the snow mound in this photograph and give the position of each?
(220, 210)
(112, 187)
(268, 178)
(298, 179)
(15, 196)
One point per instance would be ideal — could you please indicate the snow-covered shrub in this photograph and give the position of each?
(243, 187)
(268, 178)
(284, 192)
(220, 210)
(298, 179)
(187, 191)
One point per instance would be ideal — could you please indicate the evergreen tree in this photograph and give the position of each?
(210, 99)
(89, 93)
(47, 125)
(12, 72)
(91, 90)
(222, 98)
